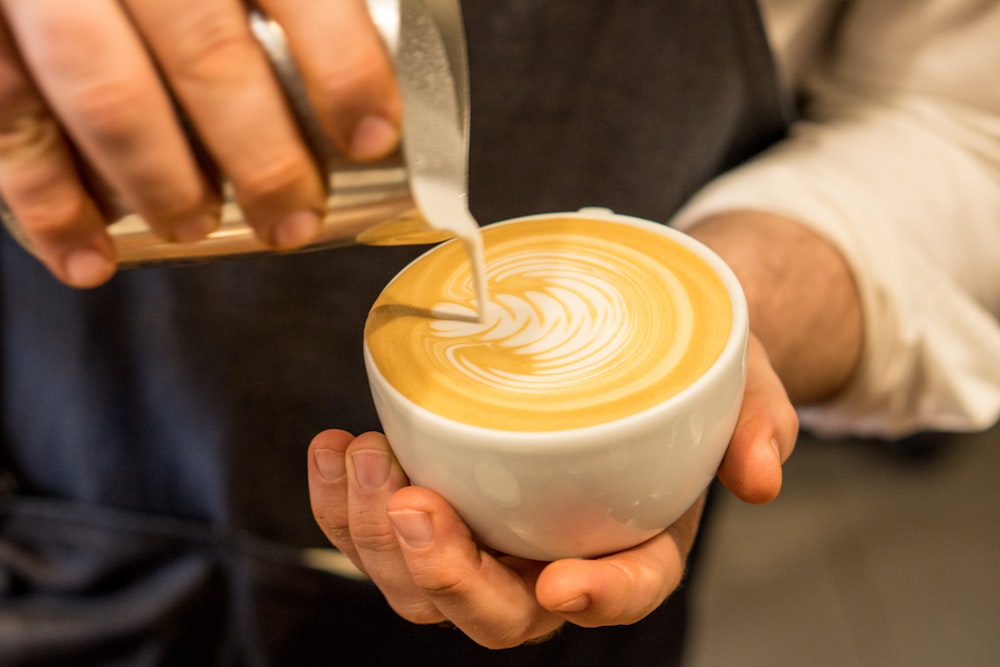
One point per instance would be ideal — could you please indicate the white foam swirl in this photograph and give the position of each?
(556, 321)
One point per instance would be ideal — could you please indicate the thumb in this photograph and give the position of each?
(765, 433)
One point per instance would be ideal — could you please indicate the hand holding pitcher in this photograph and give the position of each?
(99, 84)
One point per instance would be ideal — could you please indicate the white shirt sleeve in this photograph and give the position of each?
(897, 161)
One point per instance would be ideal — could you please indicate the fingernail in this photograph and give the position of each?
(330, 464)
(413, 527)
(575, 605)
(373, 137)
(87, 267)
(194, 229)
(777, 448)
(296, 230)
(371, 467)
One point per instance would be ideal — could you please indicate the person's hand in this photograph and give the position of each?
(96, 75)
(425, 561)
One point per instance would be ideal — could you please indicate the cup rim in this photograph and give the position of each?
(732, 352)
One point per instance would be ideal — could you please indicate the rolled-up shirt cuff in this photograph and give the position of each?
(909, 211)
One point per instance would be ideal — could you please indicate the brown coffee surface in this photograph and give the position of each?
(588, 321)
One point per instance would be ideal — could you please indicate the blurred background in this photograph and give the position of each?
(874, 554)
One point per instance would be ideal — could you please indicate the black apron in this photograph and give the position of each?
(153, 498)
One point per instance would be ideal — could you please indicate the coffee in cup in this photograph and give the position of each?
(598, 384)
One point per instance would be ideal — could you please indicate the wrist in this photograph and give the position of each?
(804, 305)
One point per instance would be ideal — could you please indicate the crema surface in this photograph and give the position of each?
(587, 321)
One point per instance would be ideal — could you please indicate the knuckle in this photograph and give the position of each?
(46, 203)
(166, 202)
(443, 583)
(340, 537)
(49, 213)
(370, 531)
(356, 78)
(108, 108)
(48, 219)
(332, 523)
(330, 520)
(271, 178)
(212, 48)
(649, 583)
(753, 421)
(28, 133)
(418, 611)
(631, 572)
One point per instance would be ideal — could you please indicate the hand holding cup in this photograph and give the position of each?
(592, 402)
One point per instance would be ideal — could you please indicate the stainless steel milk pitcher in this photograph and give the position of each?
(371, 203)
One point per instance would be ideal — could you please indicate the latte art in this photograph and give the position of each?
(556, 321)
(587, 321)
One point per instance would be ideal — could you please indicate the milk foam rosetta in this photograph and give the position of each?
(587, 321)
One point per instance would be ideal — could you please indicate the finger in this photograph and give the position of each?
(40, 185)
(492, 603)
(765, 434)
(346, 70)
(96, 75)
(327, 472)
(373, 476)
(225, 84)
(621, 588)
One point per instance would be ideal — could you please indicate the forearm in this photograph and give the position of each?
(804, 305)
(896, 162)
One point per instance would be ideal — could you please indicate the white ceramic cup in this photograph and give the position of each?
(584, 491)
